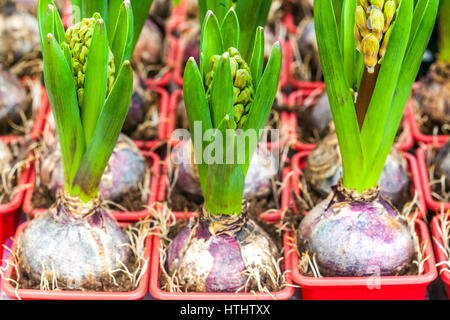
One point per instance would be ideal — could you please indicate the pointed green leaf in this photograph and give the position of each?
(96, 80)
(46, 22)
(348, 42)
(380, 104)
(210, 42)
(221, 92)
(100, 6)
(230, 30)
(219, 7)
(141, 10)
(340, 97)
(107, 132)
(68, 55)
(257, 60)
(63, 101)
(197, 110)
(263, 101)
(251, 14)
(122, 43)
(410, 67)
(113, 14)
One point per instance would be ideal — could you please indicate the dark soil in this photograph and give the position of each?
(103, 283)
(43, 198)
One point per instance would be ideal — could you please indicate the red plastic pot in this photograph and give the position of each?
(33, 294)
(361, 288)
(441, 254)
(154, 163)
(159, 294)
(423, 170)
(268, 216)
(299, 163)
(368, 288)
(309, 95)
(417, 134)
(41, 115)
(10, 211)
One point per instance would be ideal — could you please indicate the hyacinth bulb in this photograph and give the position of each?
(13, 99)
(356, 235)
(19, 34)
(324, 169)
(149, 48)
(6, 158)
(443, 163)
(212, 253)
(77, 243)
(124, 172)
(262, 169)
(433, 95)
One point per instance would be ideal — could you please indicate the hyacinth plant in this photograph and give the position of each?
(370, 62)
(89, 82)
(251, 15)
(226, 98)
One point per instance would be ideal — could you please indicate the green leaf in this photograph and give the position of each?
(108, 129)
(252, 14)
(338, 6)
(257, 60)
(221, 93)
(76, 10)
(230, 30)
(93, 6)
(113, 14)
(68, 55)
(122, 42)
(96, 80)
(46, 17)
(141, 9)
(210, 42)
(219, 7)
(410, 67)
(348, 42)
(263, 101)
(340, 97)
(377, 115)
(63, 101)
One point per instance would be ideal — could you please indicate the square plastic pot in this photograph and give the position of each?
(153, 161)
(10, 211)
(368, 288)
(33, 294)
(299, 163)
(441, 256)
(158, 293)
(308, 95)
(423, 170)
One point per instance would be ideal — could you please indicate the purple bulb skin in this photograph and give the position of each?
(79, 248)
(204, 262)
(125, 170)
(356, 238)
(443, 162)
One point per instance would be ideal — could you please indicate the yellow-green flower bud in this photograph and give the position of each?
(357, 37)
(243, 92)
(361, 20)
(389, 11)
(376, 23)
(370, 47)
(79, 37)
